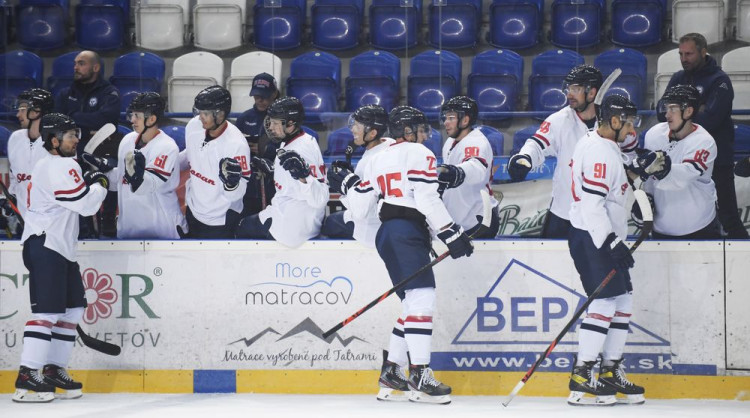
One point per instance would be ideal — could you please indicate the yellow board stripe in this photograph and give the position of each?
(365, 382)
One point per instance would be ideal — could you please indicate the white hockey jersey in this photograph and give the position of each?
(153, 210)
(205, 194)
(57, 195)
(685, 200)
(599, 190)
(557, 137)
(473, 154)
(404, 174)
(365, 228)
(297, 208)
(23, 154)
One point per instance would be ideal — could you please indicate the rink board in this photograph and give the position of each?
(246, 316)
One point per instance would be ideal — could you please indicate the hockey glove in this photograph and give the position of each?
(619, 252)
(262, 166)
(742, 168)
(6, 205)
(341, 179)
(230, 173)
(459, 244)
(342, 164)
(292, 162)
(635, 212)
(135, 166)
(92, 177)
(450, 175)
(519, 166)
(104, 165)
(648, 164)
(666, 167)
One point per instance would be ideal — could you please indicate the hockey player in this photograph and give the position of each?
(467, 168)
(681, 186)
(368, 125)
(297, 209)
(24, 148)
(219, 160)
(598, 225)
(144, 174)
(557, 136)
(405, 176)
(58, 193)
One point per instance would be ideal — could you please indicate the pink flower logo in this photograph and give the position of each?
(99, 295)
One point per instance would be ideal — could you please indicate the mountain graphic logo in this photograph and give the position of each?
(306, 326)
(531, 308)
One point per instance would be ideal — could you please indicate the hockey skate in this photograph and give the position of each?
(582, 382)
(31, 387)
(393, 382)
(614, 377)
(425, 388)
(59, 378)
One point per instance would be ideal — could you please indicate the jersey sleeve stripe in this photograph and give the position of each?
(595, 183)
(360, 189)
(162, 172)
(697, 162)
(480, 159)
(163, 176)
(421, 180)
(66, 198)
(592, 191)
(541, 138)
(71, 191)
(422, 173)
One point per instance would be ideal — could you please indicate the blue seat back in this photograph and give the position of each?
(455, 24)
(41, 25)
(435, 142)
(315, 79)
(742, 140)
(548, 70)
(6, 11)
(4, 136)
(135, 73)
(101, 24)
(336, 23)
(515, 23)
(637, 23)
(495, 82)
(374, 78)
(496, 138)
(279, 28)
(576, 23)
(312, 132)
(392, 26)
(632, 82)
(177, 133)
(520, 137)
(19, 70)
(435, 77)
(123, 130)
(337, 142)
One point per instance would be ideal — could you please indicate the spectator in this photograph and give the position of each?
(715, 115)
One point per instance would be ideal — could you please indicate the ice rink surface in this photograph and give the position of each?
(304, 406)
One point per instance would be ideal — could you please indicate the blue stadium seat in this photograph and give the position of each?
(632, 82)
(4, 136)
(435, 143)
(435, 77)
(177, 133)
(374, 78)
(135, 73)
(576, 23)
(41, 24)
(741, 141)
(520, 137)
(123, 130)
(101, 24)
(279, 28)
(515, 24)
(394, 24)
(496, 138)
(19, 70)
(312, 132)
(6, 12)
(315, 79)
(455, 24)
(637, 23)
(337, 142)
(336, 23)
(495, 82)
(548, 70)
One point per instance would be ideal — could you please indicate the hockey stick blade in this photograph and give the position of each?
(486, 219)
(606, 85)
(103, 133)
(648, 225)
(98, 345)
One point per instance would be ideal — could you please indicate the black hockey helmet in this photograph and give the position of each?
(617, 105)
(584, 75)
(463, 106)
(150, 103)
(38, 99)
(372, 117)
(402, 117)
(286, 109)
(55, 125)
(213, 98)
(682, 94)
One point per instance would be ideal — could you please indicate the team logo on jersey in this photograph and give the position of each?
(93, 101)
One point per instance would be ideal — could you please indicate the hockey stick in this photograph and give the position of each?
(486, 219)
(88, 341)
(103, 133)
(648, 224)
